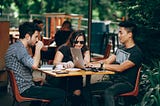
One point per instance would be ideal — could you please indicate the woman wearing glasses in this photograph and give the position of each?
(77, 40)
(63, 56)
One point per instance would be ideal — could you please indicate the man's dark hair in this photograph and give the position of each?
(130, 26)
(28, 28)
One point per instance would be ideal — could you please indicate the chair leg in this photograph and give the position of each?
(13, 103)
(120, 101)
(97, 100)
(131, 100)
(126, 101)
(44, 104)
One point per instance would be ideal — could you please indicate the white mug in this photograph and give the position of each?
(59, 66)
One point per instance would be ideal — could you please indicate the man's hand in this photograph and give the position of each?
(39, 45)
(93, 64)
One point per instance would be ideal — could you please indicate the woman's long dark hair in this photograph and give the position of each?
(74, 36)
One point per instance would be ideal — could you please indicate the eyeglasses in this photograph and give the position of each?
(81, 42)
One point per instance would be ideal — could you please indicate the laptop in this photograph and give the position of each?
(77, 58)
(79, 61)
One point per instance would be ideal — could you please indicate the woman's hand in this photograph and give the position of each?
(68, 64)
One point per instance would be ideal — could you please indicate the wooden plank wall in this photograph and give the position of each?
(4, 44)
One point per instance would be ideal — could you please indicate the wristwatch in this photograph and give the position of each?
(101, 65)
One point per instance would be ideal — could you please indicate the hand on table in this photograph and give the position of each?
(68, 64)
(93, 64)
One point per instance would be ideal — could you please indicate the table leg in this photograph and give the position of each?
(88, 79)
(67, 91)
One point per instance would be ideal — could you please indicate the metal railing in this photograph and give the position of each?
(15, 21)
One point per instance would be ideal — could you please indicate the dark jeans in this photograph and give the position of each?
(55, 95)
(75, 100)
(109, 89)
(69, 84)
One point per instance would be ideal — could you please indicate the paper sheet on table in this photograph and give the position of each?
(46, 67)
(73, 69)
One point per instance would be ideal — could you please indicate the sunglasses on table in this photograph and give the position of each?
(81, 42)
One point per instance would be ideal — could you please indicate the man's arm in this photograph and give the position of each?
(87, 57)
(37, 54)
(110, 59)
(119, 67)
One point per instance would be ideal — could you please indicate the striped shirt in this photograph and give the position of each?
(18, 59)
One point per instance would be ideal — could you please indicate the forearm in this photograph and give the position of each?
(37, 54)
(119, 67)
(56, 62)
(110, 59)
(112, 67)
(87, 57)
(58, 58)
(36, 58)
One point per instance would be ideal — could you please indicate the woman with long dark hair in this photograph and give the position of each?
(63, 56)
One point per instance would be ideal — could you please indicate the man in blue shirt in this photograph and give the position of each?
(18, 59)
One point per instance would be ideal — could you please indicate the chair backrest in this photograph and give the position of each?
(107, 51)
(136, 88)
(14, 86)
(15, 90)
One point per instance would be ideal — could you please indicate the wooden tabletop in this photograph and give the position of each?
(75, 73)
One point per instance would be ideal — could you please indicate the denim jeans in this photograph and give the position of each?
(109, 89)
(55, 95)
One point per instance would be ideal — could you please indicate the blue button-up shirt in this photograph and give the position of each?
(18, 59)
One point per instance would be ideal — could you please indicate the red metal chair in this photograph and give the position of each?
(127, 101)
(136, 88)
(16, 94)
(133, 93)
(106, 54)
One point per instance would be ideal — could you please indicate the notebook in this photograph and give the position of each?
(77, 58)
(47, 67)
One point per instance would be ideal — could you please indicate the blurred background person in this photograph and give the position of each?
(39, 23)
(62, 35)
(39, 77)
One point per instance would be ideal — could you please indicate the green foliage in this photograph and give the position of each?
(149, 41)
(5, 3)
(106, 10)
(150, 83)
(145, 13)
